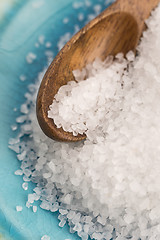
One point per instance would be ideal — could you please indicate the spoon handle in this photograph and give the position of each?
(139, 9)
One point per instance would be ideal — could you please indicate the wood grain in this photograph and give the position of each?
(117, 29)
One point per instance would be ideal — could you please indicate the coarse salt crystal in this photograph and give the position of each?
(80, 16)
(45, 237)
(30, 57)
(65, 20)
(14, 127)
(48, 44)
(34, 209)
(18, 172)
(19, 208)
(22, 77)
(25, 186)
(41, 39)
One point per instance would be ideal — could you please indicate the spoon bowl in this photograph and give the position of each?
(117, 29)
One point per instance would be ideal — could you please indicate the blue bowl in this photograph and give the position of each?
(20, 28)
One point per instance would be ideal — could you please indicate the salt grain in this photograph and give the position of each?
(45, 237)
(63, 211)
(34, 209)
(63, 40)
(28, 204)
(19, 208)
(25, 186)
(62, 222)
(30, 57)
(80, 16)
(15, 148)
(48, 44)
(21, 156)
(41, 39)
(14, 127)
(21, 119)
(24, 108)
(97, 8)
(18, 172)
(91, 17)
(77, 5)
(22, 77)
(88, 3)
(49, 53)
(65, 20)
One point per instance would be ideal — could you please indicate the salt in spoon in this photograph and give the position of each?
(117, 29)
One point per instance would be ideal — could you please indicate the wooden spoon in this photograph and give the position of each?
(117, 29)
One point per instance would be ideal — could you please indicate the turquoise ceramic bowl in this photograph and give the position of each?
(21, 24)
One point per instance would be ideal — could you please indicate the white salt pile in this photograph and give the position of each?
(106, 187)
(89, 105)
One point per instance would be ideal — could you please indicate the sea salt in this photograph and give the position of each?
(25, 186)
(22, 77)
(113, 104)
(91, 17)
(76, 28)
(88, 3)
(49, 53)
(14, 127)
(80, 16)
(45, 237)
(41, 39)
(18, 172)
(21, 156)
(77, 4)
(30, 57)
(108, 2)
(65, 20)
(97, 8)
(34, 209)
(24, 108)
(64, 39)
(28, 204)
(62, 222)
(48, 44)
(106, 187)
(21, 119)
(19, 208)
